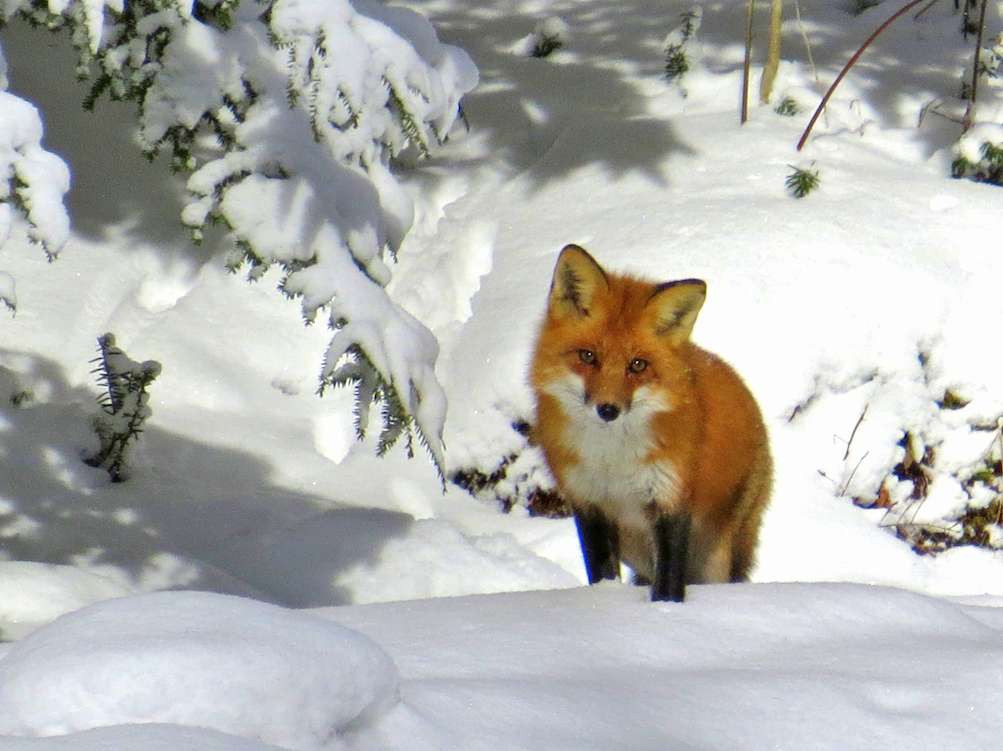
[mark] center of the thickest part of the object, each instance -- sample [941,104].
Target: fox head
[612,343]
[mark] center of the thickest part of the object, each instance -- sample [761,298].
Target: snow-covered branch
[33,181]
[285,116]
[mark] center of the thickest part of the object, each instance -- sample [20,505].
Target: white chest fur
[614,471]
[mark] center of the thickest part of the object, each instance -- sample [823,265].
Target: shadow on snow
[192,515]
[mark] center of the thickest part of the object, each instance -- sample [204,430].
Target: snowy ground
[878,290]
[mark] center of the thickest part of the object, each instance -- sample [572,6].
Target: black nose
[608,412]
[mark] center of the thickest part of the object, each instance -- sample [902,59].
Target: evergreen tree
[284,118]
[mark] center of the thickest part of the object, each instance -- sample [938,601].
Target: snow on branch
[33,181]
[125,404]
[285,116]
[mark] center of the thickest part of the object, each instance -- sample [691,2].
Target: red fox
[657,445]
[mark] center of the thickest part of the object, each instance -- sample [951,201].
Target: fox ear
[674,307]
[578,278]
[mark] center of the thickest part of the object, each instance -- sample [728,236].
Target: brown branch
[849,64]
[748,62]
[970,112]
[853,433]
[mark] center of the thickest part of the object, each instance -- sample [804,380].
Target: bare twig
[849,64]
[970,112]
[849,479]
[824,476]
[849,443]
[807,42]
[748,62]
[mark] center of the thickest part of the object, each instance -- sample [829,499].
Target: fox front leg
[600,546]
[672,542]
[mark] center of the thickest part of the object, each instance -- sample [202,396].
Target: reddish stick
[849,64]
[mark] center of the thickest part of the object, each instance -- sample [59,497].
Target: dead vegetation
[515,482]
[980,523]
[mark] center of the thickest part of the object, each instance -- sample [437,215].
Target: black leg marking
[672,541]
[600,546]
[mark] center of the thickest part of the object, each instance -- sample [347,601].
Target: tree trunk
[772,52]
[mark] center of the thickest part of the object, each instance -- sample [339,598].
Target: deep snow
[246,483]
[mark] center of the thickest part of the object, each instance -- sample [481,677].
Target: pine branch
[347,193]
[410,127]
[124,405]
[802,181]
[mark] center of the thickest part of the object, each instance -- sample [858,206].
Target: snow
[38,177]
[196,659]
[436,620]
[970,145]
[782,666]
[32,594]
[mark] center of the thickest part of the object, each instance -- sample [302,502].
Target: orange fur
[681,435]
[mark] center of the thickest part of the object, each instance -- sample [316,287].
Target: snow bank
[195,659]
[831,667]
[366,555]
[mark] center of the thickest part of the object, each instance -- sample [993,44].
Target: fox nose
[608,412]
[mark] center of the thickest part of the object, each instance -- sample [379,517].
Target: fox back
[658,445]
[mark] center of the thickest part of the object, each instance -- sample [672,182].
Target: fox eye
[587,356]
[637,365]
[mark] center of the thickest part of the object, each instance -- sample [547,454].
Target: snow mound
[738,667]
[195,659]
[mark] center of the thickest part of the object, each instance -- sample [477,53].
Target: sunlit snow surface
[779,666]
[197,659]
[879,290]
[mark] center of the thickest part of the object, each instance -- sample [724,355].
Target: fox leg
[672,541]
[600,545]
[752,504]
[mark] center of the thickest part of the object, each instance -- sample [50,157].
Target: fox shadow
[190,515]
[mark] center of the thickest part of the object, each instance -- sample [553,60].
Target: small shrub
[986,168]
[787,107]
[677,61]
[519,479]
[802,181]
[22,397]
[546,45]
[550,35]
[124,405]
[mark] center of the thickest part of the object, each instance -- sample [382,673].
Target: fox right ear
[578,278]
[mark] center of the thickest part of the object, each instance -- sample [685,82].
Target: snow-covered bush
[124,404]
[32,181]
[979,154]
[285,116]
[677,43]
[549,35]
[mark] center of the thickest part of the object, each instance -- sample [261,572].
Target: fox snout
[608,412]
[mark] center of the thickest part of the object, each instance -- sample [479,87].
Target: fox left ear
[674,307]
[578,279]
